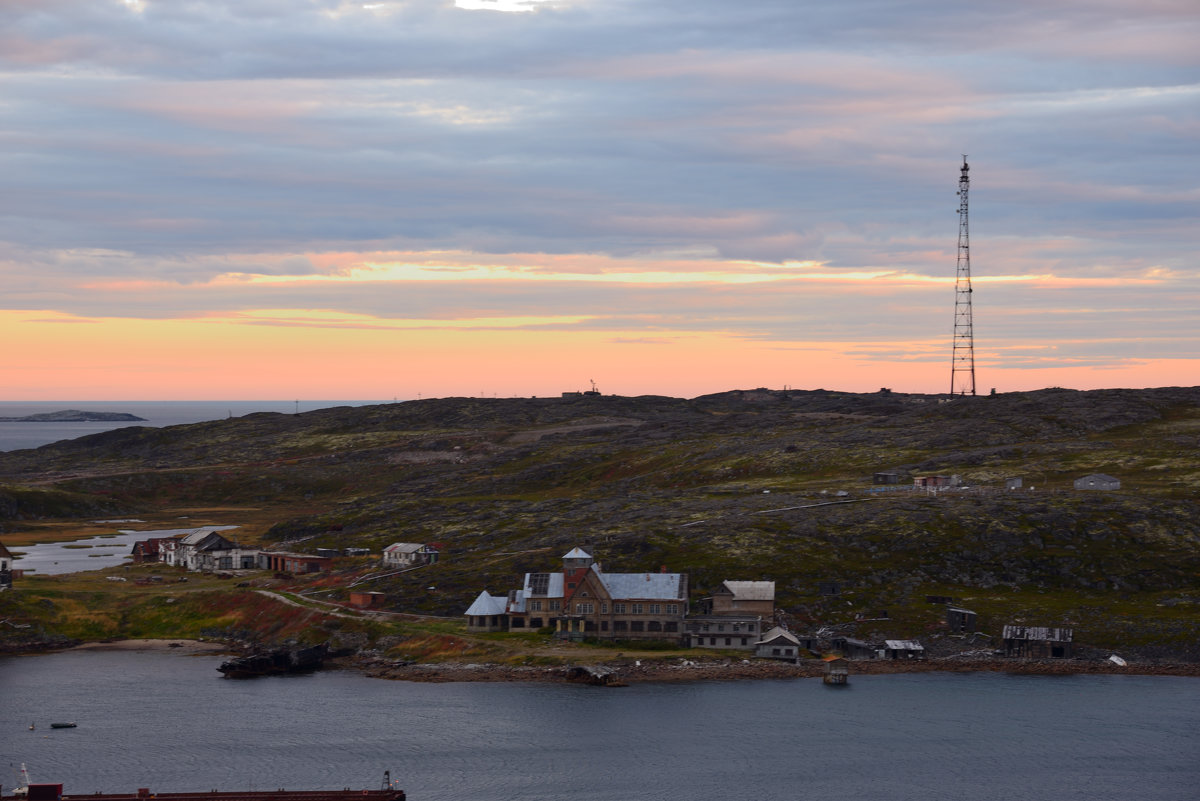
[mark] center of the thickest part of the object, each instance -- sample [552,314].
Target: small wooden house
[367,600]
[852,649]
[961,620]
[780,644]
[286,562]
[886,478]
[903,649]
[409,554]
[837,671]
[1037,642]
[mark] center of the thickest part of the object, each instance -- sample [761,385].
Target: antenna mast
[962,369]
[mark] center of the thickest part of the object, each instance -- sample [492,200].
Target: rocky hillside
[744,484]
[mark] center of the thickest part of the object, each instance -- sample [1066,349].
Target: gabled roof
[648,586]
[403,547]
[5,552]
[778,634]
[577,553]
[1100,477]
[487,604]
[751,590]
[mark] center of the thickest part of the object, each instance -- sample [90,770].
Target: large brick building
[584,601]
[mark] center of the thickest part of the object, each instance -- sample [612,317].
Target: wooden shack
[852,649]
[367,600]
[961,620]
[1037,642]
[903,649]
[837,671]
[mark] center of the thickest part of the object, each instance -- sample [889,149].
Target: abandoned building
[961,620]
[1037,642]
[780,644]
[903,649]
[409,554]
[1098,481]
[852,649]
[734,616]
[286,562]
[6,567]
[582,601]
[887,478]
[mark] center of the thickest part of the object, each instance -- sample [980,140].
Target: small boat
[62,725]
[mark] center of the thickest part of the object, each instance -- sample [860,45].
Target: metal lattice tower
[962,370]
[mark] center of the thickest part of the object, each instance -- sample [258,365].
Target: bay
[166,721]
[16,436]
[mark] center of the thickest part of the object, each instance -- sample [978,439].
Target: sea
[16,436]
[167,721]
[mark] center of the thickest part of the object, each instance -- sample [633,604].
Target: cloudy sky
[317,199]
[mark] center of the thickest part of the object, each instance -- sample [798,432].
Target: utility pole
[962,369]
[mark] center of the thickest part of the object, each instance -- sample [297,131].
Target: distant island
[75,416]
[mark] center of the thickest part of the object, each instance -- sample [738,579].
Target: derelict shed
[961,620]
[852,648]
[1037,642]
[1098,481]
[903,649]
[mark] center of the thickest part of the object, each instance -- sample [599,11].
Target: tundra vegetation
[754,484]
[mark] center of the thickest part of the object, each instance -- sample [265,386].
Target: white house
[409,554]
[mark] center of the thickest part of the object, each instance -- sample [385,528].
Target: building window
[672,609]
[656,609]
[637,625]
[750,627]
[706,625]
[654,625]
[744,641]
[637,609]
[720,627]
[535,606]
[604,609]
[620,625]
[672,626]
[618,609]
[774,652]
[728,641]
[555,606]
[604,625]
[571,586]
[535,622]
[585,609]
[517,623]
[736,627]
[712,640]
[583,594]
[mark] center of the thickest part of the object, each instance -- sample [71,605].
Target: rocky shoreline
[730,670]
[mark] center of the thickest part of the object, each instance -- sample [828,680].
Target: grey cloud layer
[187,131]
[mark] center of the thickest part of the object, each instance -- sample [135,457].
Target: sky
[202,199]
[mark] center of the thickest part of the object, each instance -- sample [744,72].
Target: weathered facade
[852,648]
[409,554]
[780,644]
[286,562]
[903,649]
[1037,642]
[6,567]
[584,601]
[734,616]
[961,620]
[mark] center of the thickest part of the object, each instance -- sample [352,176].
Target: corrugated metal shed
[1043,633]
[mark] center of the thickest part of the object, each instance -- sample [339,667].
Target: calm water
[168,722]
[55,558]
[14,436]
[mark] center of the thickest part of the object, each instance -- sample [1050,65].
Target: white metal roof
[903,645]
[752,590]
[649,586]
[778,634]
[488,604]
[403,547]
[577,553]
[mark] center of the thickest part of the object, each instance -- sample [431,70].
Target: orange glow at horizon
[225,358]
